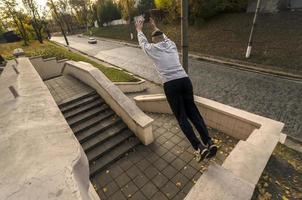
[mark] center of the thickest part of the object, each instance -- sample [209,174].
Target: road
[266,95]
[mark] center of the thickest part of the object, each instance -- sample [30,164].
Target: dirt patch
[282,177]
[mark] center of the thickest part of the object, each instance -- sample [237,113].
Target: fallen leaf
[105,189]
[178,184]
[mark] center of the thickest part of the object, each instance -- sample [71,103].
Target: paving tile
[168,145]
[169,157]
[159,196]
[168,135]
[138,196]
[180,180]
[159,180]
[179,196]
[178,164]
[103,178]
[110,188]
[170,190]
[169,171]
[176,139]
[149,190]
[134,157]
[188,171]
[177,150]
[124,163]
[196,177]
[122,179]
[161,139]
[129,189]
[140,180]
[143,164]
[152,157]
[185,156]
[188,187]
[160,151]
[160,164]
[151,171]
[133,171]
[117,196]
[184,143]
[115,171]
[161,130]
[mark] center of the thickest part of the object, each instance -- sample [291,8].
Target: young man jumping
[178,88]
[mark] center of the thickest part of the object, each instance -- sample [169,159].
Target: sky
[41,3]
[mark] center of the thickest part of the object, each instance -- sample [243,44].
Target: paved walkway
[165,169]
[265,95]
[64,88]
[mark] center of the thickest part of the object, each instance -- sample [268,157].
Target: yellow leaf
[284,198]
[105,189]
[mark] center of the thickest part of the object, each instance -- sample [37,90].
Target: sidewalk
[238,64]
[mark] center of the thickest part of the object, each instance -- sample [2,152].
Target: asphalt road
[266,95]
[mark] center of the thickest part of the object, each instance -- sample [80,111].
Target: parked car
[92,40]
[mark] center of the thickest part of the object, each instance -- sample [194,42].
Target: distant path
[266,95]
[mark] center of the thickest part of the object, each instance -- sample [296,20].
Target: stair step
[80,103]
[87,115]
[83,108]
[98,151]
[113,155]
[75,99]
[103,136]
[99,126]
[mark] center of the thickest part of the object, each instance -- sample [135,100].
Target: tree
[107,11]
[127,9]
[81,9]
[145,5]
[52,6]
[8,8]
[32,8]
[171,6]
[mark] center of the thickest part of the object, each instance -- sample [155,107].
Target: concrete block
[218,183]
[264,141]
[247,161]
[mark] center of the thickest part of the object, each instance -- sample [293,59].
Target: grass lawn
[50,49]
[277,40]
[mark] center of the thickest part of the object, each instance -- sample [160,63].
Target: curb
[246,66]
[237,64]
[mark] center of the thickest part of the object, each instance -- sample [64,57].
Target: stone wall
[40,156]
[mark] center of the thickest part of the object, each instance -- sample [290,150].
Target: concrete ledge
[248,158]
[40,156]
[48,68]
[136,120]
[129,87]
[218,183]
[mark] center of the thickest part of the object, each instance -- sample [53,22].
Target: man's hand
[139,25]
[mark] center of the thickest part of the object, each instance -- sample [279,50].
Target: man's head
[157,36]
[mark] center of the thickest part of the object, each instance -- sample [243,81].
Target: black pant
[179,94]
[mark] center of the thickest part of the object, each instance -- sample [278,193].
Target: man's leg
[196,118]
[177,106]
[194,114]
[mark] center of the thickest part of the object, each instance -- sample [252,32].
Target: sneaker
[212,149]
[201,153]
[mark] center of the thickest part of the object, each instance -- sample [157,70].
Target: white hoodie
[165,56]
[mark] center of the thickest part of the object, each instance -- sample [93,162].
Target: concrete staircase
[103,135]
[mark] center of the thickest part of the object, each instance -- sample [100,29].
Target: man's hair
[157,33]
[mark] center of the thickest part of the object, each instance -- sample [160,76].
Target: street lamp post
[184,33]
[250,44]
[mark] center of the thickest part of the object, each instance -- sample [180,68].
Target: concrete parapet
[247,160]
[40,156]
[48,68]
[136,120]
